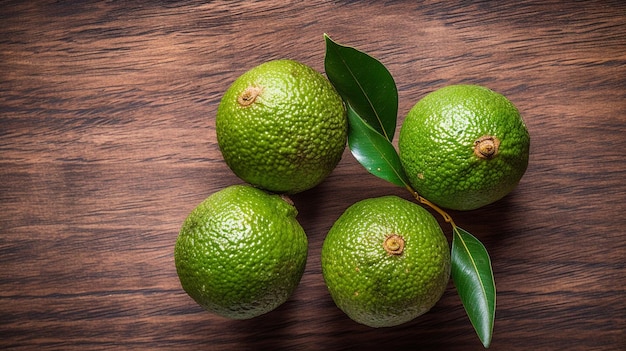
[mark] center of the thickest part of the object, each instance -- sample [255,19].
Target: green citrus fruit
[241,252]
[385,261]
[464,146]
[282,126]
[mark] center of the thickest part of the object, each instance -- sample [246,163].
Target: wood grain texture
[107,141]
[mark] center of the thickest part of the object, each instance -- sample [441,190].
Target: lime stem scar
[486,146]
[394,244]
[247,97]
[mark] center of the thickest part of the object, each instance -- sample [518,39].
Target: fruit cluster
[282,128]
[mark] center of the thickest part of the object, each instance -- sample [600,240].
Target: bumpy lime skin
[436,147]
[241,253]
[294,133]
[372,286]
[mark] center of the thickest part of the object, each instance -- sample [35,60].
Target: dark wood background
[107,141]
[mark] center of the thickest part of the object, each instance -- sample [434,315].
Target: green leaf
[473,278]
[365,84]
[373,151]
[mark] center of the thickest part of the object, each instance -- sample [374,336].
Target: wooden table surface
[107,141]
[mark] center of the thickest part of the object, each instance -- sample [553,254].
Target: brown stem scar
[486,147]
[248,96]
[394,244]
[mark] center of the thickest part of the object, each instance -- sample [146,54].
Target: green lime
[241,252]
[282,126]
[385,261]
[464,147]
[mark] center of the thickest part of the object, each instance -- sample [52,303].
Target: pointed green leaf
[373,151]
[473,278]
[365,84]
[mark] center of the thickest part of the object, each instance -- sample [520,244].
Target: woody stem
[425,201]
